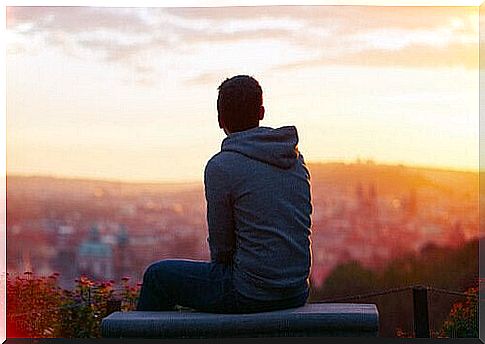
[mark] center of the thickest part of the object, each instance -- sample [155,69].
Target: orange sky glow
[130,93]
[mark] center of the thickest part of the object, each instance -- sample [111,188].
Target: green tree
[348,279]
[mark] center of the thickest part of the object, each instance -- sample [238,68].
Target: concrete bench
[313,319]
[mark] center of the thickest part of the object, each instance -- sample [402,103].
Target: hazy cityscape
[108,230]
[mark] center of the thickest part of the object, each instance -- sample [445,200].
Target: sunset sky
[130,93]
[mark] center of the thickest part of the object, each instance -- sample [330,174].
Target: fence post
[421,320]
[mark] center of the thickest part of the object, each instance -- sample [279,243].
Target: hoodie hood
[277,147]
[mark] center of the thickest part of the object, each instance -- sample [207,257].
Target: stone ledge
[313,319]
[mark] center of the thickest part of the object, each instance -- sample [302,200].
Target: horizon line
[198,181]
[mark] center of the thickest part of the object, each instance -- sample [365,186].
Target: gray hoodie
[259,212]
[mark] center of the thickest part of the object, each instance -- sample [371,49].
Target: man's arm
[220,221]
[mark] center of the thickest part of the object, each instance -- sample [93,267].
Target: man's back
[259,212]
[259,217]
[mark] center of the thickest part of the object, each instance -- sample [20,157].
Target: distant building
[95,258]
[121,254]
[65,260]
[366,212]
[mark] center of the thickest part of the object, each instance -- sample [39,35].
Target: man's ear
[261,113]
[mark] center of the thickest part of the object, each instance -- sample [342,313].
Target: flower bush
[463,318]
[33,305]
[37,307]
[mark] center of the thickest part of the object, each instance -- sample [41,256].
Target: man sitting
[259,219]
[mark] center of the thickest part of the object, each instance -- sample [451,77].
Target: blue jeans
[202,286]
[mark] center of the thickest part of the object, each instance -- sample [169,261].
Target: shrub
[33,305]
[462,320]
[37,307]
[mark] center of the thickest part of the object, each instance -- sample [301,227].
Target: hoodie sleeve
[219,214]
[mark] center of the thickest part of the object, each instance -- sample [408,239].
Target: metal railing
[420,304]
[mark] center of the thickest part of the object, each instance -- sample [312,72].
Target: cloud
[350,35]
[207,78]
[349,19]
[415,56]
[76,19]
[113,51]
[357,27]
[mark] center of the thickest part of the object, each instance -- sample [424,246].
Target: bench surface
[313,319]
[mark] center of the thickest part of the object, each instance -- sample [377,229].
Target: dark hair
[239,102]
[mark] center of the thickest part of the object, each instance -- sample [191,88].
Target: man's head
[239,104]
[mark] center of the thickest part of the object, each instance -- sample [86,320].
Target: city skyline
[129,93]
[366,212]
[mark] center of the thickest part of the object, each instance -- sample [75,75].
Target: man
[259,219]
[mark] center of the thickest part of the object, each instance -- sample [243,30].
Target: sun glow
[129,93]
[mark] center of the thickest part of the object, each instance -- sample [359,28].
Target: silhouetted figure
[259,218]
